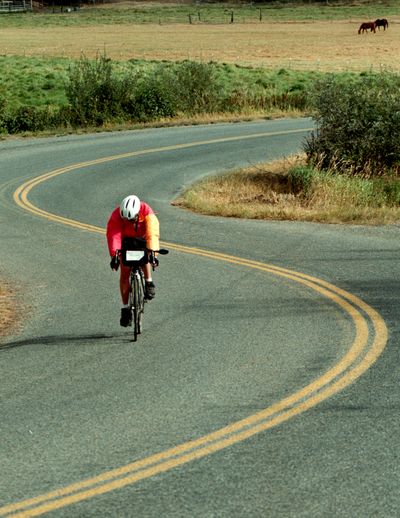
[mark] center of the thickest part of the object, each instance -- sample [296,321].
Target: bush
[26,118]
[3,105]
[152,97]
[197,89]
[150,102]
[188,87]
[94,93]
[358,124]
[33,119]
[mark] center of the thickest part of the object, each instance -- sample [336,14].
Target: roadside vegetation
[292,190]
[38,94]
[348,173]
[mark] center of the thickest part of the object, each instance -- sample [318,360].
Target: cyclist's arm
[114,233]
[152,232]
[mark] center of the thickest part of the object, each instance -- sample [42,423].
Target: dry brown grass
[8,310]
[265,192]
[258,192]
[326,46]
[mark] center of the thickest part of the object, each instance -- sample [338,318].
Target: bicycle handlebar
[151,254]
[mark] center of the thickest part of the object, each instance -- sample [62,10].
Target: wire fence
[13,6]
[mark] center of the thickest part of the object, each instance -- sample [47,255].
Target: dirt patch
[9,317]
[320,45]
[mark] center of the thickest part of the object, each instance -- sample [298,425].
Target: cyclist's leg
[124,283]
[146,268]
[149,289]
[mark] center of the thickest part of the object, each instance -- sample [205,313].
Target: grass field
[304,38]
[193,12]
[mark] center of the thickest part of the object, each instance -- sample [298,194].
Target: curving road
[266,380]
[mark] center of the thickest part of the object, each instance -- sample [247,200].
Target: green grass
[33,81]
[41,81]
[330,189]
[209,14]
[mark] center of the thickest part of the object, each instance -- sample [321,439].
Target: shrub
[358,124]
[33,119]
[152,97]
[150,103]
[94,93]
[188,87]
[3,105]
[61,117]
[197,89]
[26,118]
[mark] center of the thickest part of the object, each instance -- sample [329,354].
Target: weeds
[292,190]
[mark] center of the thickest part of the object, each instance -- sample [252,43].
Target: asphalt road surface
[266,381]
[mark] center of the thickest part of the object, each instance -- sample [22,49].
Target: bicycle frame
[136,299]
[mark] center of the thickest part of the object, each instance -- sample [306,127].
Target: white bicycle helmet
[129,207]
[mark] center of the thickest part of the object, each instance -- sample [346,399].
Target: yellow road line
[362,353]
[20,195]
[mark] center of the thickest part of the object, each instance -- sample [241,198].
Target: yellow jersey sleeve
[152,232]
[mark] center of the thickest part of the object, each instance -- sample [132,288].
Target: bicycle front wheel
[138,305]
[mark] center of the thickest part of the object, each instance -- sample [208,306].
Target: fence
[13,6]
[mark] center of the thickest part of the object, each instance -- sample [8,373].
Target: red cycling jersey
[146,227]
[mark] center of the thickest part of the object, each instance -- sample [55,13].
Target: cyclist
[133,218]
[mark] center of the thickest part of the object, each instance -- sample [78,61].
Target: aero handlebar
[151,254]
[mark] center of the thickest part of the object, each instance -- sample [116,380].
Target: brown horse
[367,25]
[382,22]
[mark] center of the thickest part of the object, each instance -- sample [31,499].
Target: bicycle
[136,256]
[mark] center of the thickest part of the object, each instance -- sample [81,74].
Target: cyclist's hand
[153,259]
[114,263]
